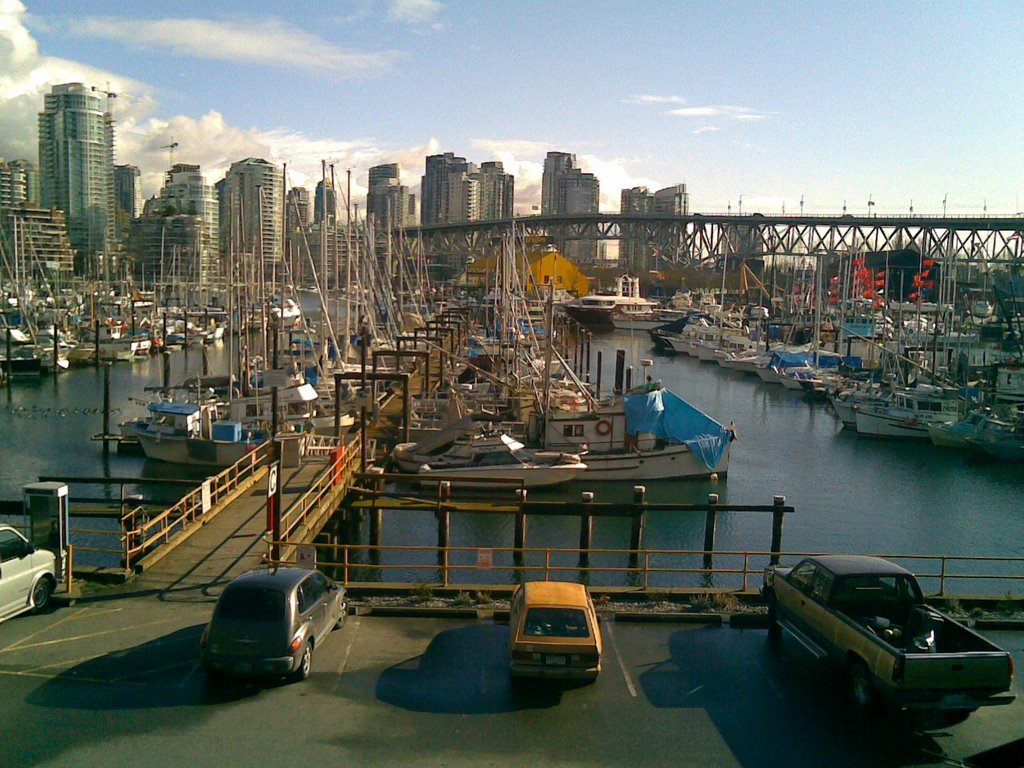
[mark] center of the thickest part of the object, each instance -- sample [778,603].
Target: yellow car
[554,631]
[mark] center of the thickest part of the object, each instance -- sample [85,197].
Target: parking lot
[115,682]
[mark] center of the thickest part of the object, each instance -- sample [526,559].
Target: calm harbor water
[850,493]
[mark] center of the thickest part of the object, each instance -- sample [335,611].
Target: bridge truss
[698,240]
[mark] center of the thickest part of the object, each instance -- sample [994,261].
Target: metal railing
[326,487]
[641,571]
[142,530]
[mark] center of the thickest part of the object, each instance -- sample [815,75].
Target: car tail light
[898,669]
[295,644]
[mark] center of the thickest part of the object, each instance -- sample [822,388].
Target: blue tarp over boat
[670,418]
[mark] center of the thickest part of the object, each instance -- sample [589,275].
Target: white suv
[27,574]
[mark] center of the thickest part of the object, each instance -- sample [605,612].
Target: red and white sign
[485,558]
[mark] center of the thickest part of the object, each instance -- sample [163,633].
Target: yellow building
[546,266]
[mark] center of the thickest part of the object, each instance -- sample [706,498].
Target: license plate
[555,661]
[243,667]
[955,700]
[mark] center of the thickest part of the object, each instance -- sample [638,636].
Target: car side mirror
[30,548]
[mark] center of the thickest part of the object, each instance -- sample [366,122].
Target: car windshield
[251,604]
[556,622]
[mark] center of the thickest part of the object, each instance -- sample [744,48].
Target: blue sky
[751,104]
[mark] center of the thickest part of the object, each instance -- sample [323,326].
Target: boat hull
[674,462]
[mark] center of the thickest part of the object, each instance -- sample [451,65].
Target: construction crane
[110,98]
[170,152]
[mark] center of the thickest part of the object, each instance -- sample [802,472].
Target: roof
[554,593]
[850,565]
[273,578]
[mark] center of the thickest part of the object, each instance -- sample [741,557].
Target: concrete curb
[715,619]
[1016,624]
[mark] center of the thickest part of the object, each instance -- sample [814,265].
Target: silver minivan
[269,622]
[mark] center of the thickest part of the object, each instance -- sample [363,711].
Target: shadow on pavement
[464,671]
[795,711]
[159,673]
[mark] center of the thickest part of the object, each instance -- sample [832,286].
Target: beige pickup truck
[869,615]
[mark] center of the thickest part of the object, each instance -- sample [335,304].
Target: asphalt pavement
[114,681]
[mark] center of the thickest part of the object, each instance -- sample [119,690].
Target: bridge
[660,240]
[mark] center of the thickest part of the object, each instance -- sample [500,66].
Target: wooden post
[620,366]
[337,405]
[778,502]
[636,535]
[166,372]
[376,513]
[586,526]
[7,360]
[629,378]
[444,488]
[106,407]
[519,536]
[710,522]
[597,386]
[96,329]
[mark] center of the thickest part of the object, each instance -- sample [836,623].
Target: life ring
[603,427]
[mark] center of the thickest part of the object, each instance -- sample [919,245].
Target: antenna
[170,152]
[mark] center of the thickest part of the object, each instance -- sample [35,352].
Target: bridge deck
[229,544]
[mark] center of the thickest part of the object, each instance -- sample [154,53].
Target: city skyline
[755,108]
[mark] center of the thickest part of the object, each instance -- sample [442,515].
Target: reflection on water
[850,493]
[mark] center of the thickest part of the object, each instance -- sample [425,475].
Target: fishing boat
[1002,439]
[647,434]
[192,433]
[909,412]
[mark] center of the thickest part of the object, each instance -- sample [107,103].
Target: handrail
[338,471]
[546,561]
[159,528]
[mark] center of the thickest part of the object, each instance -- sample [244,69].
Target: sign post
[273,511]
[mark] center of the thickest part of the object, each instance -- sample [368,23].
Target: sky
[755,105]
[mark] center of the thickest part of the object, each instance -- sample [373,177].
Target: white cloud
[268,42]
[720,111]
[705,129]
[651,99]
[416,13]
[210,141]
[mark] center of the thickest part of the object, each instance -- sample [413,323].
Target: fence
[359,565]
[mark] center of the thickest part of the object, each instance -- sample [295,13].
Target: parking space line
[191,672]
[348,650]
[49,627]
[618,657]
[65,662]
[89,635]
[77,678]
[144,672]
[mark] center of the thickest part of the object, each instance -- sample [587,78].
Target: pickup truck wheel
[861,688]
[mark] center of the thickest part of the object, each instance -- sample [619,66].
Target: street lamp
[801,205]
[945,197]
[911,206]
[871,204]
[739,208]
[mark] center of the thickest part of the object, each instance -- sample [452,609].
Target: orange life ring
[603,427]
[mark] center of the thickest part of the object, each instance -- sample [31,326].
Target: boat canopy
[667,416]
[174,408]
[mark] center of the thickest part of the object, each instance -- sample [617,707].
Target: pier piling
[710,522]
[779,503]
[519,535]
[586,527]
[106,406]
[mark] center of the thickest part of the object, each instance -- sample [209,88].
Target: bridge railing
[344,463]
[142,531]
[415,567]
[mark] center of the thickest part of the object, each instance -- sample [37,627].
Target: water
[850,493]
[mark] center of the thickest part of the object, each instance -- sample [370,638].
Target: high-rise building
[297,211]
[251,210]
[555,164]
[436,194]
[13,187]
[76,166]
[325,203]
[128,190]
[40,231]
[388,202]
[632,246]
[674,200]
[496,190]
[31,173]
[187,193]
[578,192]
